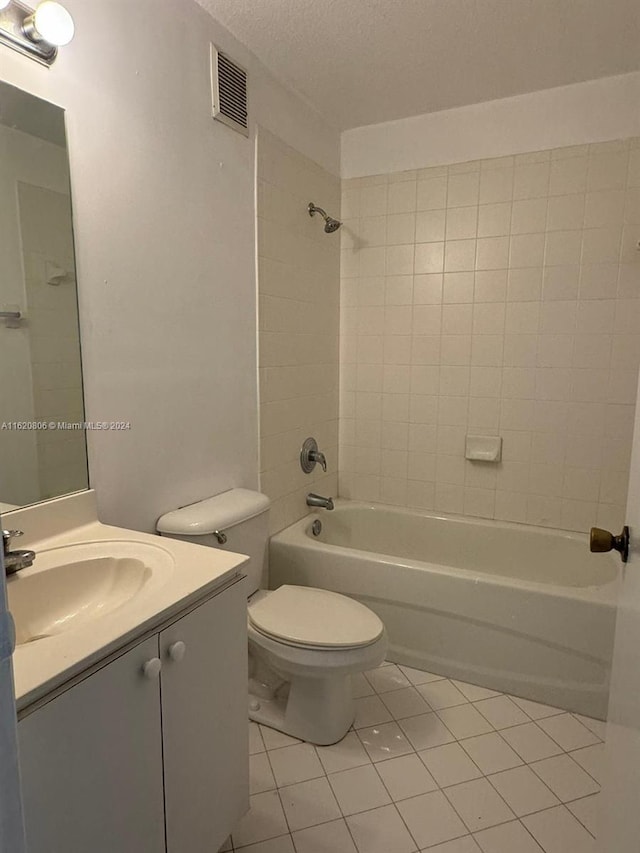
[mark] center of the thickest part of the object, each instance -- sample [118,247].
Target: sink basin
[69,587]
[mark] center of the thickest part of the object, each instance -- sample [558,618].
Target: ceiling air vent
[229,85]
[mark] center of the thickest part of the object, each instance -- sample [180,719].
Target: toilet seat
[314,618]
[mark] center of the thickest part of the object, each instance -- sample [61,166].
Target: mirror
[42,438]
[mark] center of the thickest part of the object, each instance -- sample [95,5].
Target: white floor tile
[419,676]
[442,694]
[380,831]
[536,710]
[309,803]
[256,743]
[265,819]
[507,838]
[587,811]
[478,804]
[405,777]
[523,791]
[459,845]
[566,779]
[530,742]
[293,764]
[274,739]
[491,753]
[591,759]
[283,844]
[260,775]
[331,837]
[385,741]
[450,764]
[348,753]
[360,686]
[426,730]
[558,831]
[431,819]
[395,708]
[501,712]
[386,678]
[473,692]
[568,732]
[405,703]
[370,711]
[464,721]
[598,727]
[359,790]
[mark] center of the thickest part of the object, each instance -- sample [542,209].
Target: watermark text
[71,426]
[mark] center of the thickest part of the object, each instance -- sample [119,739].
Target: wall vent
[229,86]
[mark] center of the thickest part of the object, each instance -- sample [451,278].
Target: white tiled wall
[498,297]
[299,289]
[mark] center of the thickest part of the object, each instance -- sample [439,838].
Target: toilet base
[316,710]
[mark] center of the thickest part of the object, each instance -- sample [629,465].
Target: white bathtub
[520,609]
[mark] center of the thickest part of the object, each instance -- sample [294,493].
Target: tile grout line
[395,803]
[579,819]
[576,764]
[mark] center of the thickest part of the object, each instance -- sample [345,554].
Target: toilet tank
[237,520]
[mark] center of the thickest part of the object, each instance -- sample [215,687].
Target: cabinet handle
[177,651]
[151,669]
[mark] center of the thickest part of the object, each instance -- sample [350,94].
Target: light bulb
[4,4]
[52,23]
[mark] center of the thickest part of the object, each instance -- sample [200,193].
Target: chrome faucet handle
[319,457]
[310,456]
[7,536]
[15,561]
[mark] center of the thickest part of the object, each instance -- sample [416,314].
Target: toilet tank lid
[217,513]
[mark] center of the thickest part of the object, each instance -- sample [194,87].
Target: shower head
[330,224]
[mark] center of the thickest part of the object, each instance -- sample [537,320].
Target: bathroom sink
[67,588]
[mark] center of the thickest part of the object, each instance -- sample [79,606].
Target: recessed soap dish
[483,448]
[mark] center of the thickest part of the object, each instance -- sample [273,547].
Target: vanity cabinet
[149,753]
[91,765]
[205,729]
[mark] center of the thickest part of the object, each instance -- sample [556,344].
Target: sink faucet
[319,501]
[14,561]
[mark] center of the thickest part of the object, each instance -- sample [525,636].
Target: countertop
[46,664]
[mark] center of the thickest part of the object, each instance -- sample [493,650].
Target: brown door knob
[601,541]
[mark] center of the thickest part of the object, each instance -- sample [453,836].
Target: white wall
[164,208]
[568,115]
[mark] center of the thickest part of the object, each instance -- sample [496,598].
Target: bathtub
[524,610]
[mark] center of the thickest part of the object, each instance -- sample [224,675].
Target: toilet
[304,643]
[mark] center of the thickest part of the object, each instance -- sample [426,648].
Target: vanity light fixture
[38,32]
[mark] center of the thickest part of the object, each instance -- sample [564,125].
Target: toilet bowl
[304,643]
[304,646]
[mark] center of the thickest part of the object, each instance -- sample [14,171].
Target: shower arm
[313,209]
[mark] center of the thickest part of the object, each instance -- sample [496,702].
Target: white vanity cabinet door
[91,763]
[204,722]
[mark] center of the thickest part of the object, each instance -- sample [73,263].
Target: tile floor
[430,764]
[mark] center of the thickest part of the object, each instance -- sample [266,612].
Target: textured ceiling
[367,61]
